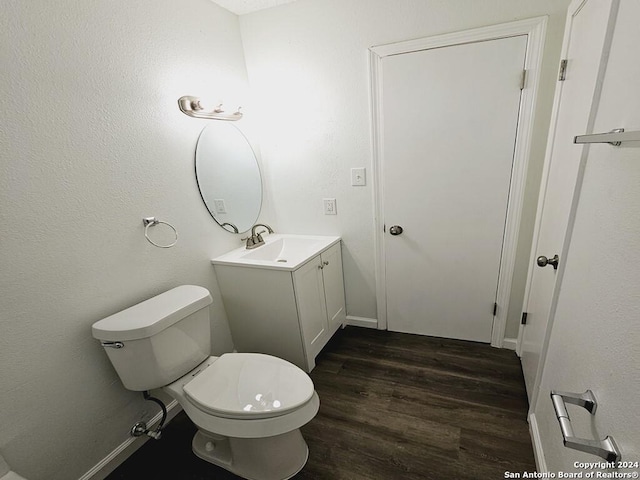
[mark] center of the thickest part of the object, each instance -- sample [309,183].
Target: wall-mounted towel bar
[606,448]
[614,137]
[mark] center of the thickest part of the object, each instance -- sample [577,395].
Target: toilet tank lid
[153,315]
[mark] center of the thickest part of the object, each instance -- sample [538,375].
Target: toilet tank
[155,342]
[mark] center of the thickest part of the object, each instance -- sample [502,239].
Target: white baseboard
[112,461]
[362,322]
[538,453]
[510,343]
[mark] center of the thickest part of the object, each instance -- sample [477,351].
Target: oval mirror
[228,177]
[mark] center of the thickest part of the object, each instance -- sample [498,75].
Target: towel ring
[152,222]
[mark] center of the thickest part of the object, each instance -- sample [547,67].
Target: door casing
[535,29]
[574,9]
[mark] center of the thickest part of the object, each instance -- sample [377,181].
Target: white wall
[307,64]
[92,141]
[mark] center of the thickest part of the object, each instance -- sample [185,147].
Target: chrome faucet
[255,240]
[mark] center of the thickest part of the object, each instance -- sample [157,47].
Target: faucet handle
[250,241]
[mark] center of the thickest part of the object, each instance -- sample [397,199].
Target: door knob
[396,230]
[543,261]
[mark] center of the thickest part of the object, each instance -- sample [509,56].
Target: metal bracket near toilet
[605,448]
[140,428]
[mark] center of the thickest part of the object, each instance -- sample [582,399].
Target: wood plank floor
[392,406]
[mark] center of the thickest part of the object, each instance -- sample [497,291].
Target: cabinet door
[334,287]
[307,281]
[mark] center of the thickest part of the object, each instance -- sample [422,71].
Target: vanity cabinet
[288,314]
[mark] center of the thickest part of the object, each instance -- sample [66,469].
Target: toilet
[6,473]
[248,407]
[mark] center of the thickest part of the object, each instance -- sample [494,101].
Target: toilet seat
[249,386]
[12,476]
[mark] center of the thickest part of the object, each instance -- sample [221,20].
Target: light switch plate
[358,177]
[330,206]
[219,206]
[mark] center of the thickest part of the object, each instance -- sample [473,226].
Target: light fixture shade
[192,106]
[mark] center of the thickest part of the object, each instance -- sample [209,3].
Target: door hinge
[523,79]
[495,309]
[524,318]
[562,75]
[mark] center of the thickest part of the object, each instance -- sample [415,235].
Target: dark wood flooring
[392,406]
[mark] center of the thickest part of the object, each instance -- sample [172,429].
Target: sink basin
[280,251]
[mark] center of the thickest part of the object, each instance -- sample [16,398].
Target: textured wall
[307,64]
[92,141]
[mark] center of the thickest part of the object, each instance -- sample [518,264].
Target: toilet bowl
[10,475]
[248,407]
[6,473]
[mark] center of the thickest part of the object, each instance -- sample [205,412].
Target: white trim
[375,94]
[509,343]
[573,10]
[491,32]
[362,322]
[535,29]
[123,451]
[536,441]
[521,329]
[524,135]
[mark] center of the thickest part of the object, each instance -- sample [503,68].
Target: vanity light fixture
[192,106]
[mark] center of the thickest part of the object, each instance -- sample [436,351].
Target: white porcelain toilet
[248,407]
[6,473]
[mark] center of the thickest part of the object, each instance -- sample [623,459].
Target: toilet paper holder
[606,448]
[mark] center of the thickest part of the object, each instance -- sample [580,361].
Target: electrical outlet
[358,177]
[330,206]
[219,206]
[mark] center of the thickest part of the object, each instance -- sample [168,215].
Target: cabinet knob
[324,264]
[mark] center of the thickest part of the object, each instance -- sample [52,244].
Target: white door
[586,33]
[595,339]
[450,122]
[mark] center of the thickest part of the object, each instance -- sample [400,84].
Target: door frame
[535,29]
[572,10]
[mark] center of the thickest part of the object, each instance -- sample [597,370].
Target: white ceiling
[240,7]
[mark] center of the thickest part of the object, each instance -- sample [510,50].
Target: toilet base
[270,458]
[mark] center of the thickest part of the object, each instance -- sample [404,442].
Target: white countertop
[280,252]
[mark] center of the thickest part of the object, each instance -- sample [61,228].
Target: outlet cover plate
[330,206]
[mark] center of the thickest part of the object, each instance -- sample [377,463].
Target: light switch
[330,206]
[358,177]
